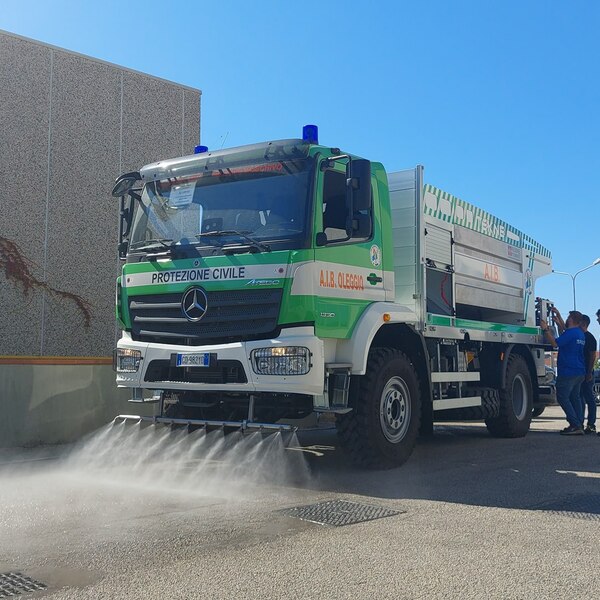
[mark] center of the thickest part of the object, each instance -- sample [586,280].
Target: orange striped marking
[55,360]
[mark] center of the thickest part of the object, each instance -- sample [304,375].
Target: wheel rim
[519,397]
[394,410]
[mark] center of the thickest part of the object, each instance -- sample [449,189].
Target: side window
[334,205]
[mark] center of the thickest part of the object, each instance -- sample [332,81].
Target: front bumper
[311,383]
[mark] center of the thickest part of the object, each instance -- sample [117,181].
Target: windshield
[266,202]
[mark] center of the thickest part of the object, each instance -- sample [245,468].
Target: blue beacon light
[310,134]
[200,149]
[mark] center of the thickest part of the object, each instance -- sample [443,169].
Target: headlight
[283,360]
[126,360]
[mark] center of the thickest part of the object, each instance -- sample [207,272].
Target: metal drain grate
[585,506]
[339,512]
[14,584]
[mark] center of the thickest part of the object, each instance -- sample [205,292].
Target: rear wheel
[516,401]
[536,412]
[382,429]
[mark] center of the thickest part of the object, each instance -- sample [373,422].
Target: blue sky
[499,101]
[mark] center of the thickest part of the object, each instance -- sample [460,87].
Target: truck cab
[270,281]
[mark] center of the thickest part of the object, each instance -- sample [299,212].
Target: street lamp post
[573,277]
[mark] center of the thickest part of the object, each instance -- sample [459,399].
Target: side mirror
[122,248]
[321,239]
[124,183]
[361,225]
[125,220]
[358,184]
[126,216]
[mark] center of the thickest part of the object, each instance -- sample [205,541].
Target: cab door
[349,271]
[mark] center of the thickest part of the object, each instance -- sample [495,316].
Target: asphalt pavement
[475,517]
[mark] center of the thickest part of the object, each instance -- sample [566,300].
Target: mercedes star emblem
[194,304]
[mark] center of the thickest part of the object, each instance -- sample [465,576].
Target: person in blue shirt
[570,368]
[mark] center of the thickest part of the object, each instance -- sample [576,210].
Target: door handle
[374,279]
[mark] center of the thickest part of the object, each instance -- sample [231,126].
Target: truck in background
[270,281]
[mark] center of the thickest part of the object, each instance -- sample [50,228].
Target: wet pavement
[470,517]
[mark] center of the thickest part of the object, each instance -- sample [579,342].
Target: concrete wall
[55,404]
[70,124]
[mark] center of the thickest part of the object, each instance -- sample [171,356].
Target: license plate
[193,360]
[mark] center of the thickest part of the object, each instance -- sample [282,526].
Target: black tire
[490,406]
[537,411]
[381,430]
[516,401]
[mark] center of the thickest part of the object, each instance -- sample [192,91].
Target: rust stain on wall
[17,268]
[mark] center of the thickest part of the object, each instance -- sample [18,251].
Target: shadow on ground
[460,464]
[463,464]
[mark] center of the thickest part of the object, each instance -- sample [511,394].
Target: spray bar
[243,425]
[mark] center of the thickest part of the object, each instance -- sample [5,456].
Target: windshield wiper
[243,234]
[150,247]
[154,243]
[219,243]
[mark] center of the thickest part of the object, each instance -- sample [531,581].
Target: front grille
[221,371]
[236,315]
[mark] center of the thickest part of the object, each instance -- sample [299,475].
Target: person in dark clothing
[587,387]
[571,367]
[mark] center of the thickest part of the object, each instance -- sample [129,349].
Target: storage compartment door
[439,273]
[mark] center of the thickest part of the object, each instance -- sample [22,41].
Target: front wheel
[516,401]
[382,429]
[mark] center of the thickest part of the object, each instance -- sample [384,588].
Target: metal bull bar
[248,424]
[244,425]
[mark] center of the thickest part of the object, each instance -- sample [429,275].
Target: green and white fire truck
[267,282]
